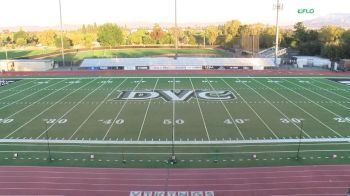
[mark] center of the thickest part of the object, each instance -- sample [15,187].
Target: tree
[76,37]
[47,38]
[21,41]
[89,39]
[212,33]
[67,43]
[21,37]
[110,34]
[231,31]
[330,34]
[345,39]
[332,51]
[136,37]
[157,33]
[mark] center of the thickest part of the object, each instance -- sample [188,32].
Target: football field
[157,115]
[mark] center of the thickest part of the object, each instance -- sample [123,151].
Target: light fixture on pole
[278,6]
[176,31]
[61,28]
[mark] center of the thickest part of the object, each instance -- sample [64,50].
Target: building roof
[181,61]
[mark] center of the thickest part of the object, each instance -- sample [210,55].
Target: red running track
[260,181]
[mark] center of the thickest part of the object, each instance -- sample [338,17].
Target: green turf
[138,52]
[81,109]
[23,53]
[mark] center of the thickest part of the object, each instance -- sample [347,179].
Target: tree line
[330,41]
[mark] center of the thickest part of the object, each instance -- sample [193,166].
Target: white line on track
[200,110]
[252,109]
[120,111]
[145,116]
[46,110]
[301,109]
[228,112]
[97,107]
[278,110]
[72,108]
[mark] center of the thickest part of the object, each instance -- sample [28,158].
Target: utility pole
[62,48]
[176,31]
[278,7]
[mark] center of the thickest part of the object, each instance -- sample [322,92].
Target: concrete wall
[26,65]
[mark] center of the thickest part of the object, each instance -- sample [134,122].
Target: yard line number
[6,120]
[54,120]
[291,120]
[342,119]
[110,121]
[237,121]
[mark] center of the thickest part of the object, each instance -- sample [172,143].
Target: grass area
[23,53]
[215,121]
[137,52]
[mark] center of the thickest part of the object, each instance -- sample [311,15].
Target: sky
[46,12]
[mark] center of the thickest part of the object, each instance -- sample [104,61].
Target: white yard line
[71,109]
[120,111]
[333,85]
[173,124]
[252,109]
[46,110]
[200,110]
[55,91]
[319,96]
[312,100]
[331,90]
[177,142]
[301,109]
[20,92]
[284,115]
[13,87]
[145,116]
[228,112]
[97,107]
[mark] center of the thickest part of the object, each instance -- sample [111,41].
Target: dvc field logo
[177,95]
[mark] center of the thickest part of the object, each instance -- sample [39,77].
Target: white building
[181,63]
[26,65]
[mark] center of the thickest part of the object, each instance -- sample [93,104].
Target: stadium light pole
[61,28]
[176,31]
[278,7]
